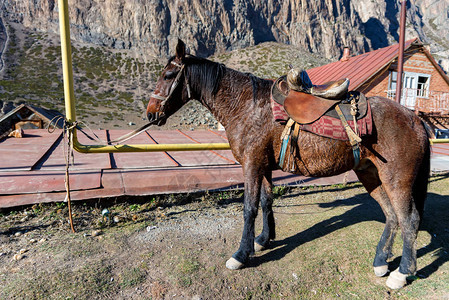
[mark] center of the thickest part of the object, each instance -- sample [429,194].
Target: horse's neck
[232,100]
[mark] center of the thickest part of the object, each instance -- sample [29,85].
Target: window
[391,93]
[423,85]
[414,83]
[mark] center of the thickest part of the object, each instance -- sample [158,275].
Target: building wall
[376,86]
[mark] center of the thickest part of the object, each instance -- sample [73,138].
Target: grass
[132,277]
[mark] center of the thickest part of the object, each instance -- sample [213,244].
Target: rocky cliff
[213,26]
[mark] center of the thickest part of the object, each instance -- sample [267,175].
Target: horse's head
[172,90]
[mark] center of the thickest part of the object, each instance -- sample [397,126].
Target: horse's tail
[422,179]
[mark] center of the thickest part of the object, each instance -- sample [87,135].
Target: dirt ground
[176,246]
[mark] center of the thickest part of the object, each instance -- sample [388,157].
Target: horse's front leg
[266,199]
[253,181]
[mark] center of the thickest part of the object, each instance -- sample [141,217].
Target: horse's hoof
[396,280]
[233,264]
[258,247]
[381,270]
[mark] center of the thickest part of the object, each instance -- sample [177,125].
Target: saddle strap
[354,139]
[289,136]
[284,142]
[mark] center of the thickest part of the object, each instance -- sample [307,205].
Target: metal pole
[401,51]
[66,53]
[69,96]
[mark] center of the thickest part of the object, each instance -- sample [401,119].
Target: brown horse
[394,166]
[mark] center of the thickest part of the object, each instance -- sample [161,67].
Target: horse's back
[395,123]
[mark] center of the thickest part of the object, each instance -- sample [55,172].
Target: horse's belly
[320,157]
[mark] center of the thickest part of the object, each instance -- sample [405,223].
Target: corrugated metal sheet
[32,168]
[358,68]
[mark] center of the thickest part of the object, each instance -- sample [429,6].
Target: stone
[17,257]
[128,24]
[149,228]
[96,233]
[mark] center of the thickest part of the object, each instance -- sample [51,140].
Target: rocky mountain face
[214,26]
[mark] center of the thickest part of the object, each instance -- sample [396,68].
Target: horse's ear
[180,49]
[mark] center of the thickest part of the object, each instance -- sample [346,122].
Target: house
[425,85]
[28,117]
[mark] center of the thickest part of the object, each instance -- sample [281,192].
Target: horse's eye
[170,75]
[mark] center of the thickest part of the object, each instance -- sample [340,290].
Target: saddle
[306,103]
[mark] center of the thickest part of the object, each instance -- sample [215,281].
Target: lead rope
[67,130]
[68,133]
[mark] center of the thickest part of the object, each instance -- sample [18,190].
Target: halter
[174,85]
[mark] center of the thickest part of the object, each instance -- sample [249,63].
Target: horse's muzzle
[156,118]
[152,117]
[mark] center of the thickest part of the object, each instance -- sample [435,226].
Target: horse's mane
[204,75]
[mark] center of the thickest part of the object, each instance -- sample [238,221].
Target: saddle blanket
[327,126]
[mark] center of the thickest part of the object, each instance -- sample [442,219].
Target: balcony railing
[423,100]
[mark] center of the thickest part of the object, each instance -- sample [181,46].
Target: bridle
[174,85]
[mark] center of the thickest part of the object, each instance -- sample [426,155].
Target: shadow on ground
[367,209]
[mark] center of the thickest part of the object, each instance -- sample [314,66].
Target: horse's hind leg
[409,219]
[370,179]
[407,191]
[266,200]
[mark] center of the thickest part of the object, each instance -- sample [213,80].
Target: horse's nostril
[150,117]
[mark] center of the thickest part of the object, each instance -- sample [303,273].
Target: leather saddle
[312,101]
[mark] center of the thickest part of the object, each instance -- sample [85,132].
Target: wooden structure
[425,86]
[27,117]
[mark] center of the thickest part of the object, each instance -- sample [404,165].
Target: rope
[68,133]
[68,128]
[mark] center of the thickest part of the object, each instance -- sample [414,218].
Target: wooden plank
[188,158]
[81,161]
[23,153]
[140,159]
[39,181]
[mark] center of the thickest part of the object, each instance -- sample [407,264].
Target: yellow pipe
[148,147]
[438,141]
[69,95]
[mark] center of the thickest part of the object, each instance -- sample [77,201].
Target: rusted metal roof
[32,168]
[359,69]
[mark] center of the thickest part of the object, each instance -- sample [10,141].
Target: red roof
[358,68]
